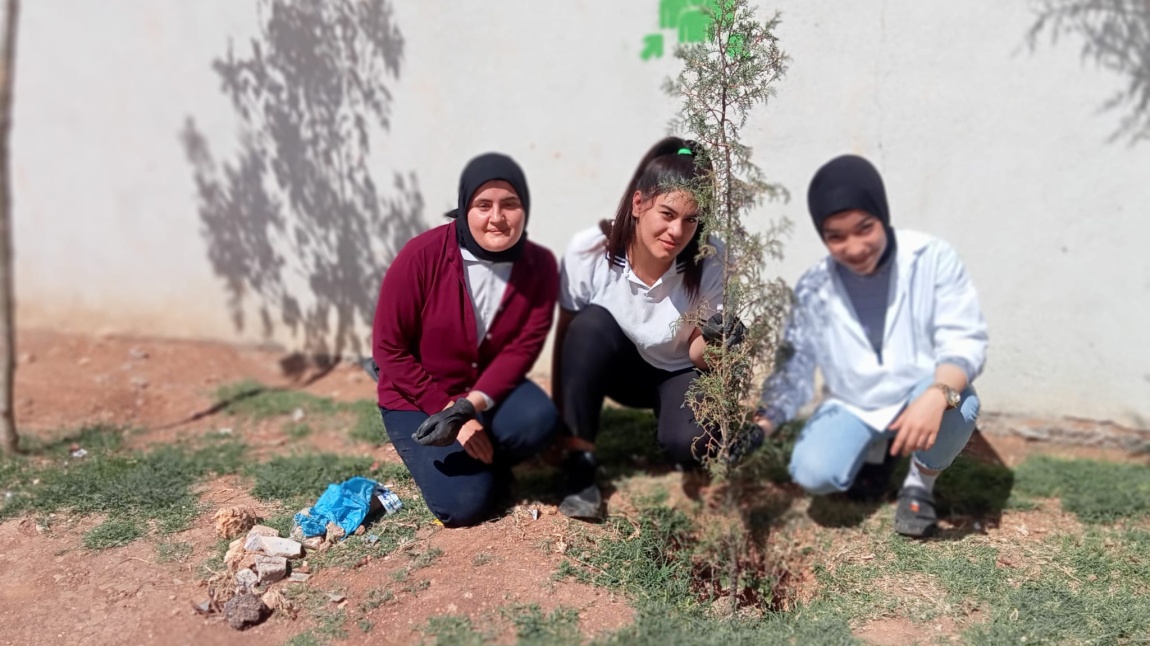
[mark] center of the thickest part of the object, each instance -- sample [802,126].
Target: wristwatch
[952,396]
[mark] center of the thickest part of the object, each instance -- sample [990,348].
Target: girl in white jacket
[893,323]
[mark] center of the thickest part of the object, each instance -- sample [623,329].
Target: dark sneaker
[915,516]
[581,497]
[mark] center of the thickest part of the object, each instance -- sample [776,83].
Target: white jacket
[933,315]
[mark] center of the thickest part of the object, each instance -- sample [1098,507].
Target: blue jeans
[459,489]
[831,448]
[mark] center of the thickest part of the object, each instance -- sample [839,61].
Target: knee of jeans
[539,426]
[970,407]
[813,476]
[461,507]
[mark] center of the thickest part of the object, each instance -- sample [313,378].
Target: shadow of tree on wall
[295,221]
[1115,35]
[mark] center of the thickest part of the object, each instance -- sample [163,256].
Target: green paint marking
[652,46]
[689,19]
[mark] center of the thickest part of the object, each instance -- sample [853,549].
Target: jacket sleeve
[959,330]
[396,332]
[792,384]
[512,363]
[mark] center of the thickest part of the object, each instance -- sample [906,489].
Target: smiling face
[496,216]
[856,239]
[664,224]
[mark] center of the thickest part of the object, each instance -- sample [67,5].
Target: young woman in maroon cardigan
[462,316]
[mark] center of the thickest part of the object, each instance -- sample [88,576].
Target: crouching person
[893,322]
[625,292]
[462,316]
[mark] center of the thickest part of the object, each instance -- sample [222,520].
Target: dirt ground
[54,590]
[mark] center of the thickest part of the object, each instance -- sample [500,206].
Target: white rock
[271,568]
[273,546]
[262,530]
[246,580]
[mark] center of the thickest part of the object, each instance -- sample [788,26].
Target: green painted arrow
[652,46]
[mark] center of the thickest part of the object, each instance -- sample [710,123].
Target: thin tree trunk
[8,439]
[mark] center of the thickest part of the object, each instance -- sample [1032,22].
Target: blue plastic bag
[346,505]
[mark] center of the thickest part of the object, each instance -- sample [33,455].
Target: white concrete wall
[1003,151]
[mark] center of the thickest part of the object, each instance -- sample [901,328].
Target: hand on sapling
[716,327]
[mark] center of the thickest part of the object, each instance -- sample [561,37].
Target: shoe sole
[915,528]
[579,510]
[574,506]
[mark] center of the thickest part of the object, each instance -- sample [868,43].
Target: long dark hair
[673,164]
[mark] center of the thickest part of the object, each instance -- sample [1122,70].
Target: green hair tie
[685,151]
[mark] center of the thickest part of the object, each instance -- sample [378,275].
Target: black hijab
[479,171]
[846,183]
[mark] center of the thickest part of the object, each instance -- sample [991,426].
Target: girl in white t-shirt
[625,289]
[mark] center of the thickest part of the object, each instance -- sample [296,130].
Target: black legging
[600,361]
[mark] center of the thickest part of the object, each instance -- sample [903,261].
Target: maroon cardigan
[424,333]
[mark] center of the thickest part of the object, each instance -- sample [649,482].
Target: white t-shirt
[486,283]
[651,317]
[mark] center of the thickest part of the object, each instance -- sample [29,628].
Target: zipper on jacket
[878,353]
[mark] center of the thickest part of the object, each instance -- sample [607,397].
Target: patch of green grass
[452,630]
[173,551]
[281,521]
[290,479]
[297,430]
[660,625]
[252,399]
[416,587]
[95,439]
[966,570]
[255,400]
[1096,492]
[133,489]
[628,439]
[1078,589]
[144,483]
[533,626]
[365,626]
[114,532]
[1096,592]
[481,559]
[306,638]
[647,563]
[368,426]
[426,558]
[375,598]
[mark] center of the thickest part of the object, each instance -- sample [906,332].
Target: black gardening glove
[713,330]
[442,428]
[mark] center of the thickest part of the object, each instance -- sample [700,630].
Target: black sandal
[915,516]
